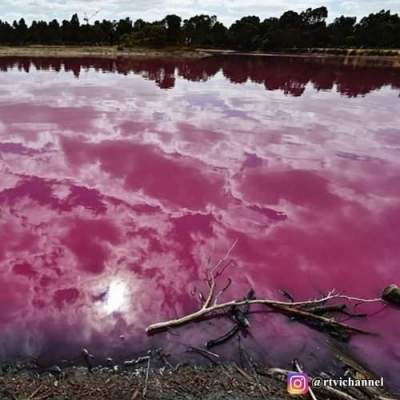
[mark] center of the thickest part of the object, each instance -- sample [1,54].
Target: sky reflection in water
[114,194]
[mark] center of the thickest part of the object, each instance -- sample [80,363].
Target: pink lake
[121,179]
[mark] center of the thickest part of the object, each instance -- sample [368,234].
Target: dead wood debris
[317,313]
[184,381]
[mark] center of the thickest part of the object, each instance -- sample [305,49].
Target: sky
[227,10]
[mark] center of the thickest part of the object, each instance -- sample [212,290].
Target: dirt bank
[100,51]
[154,377]
[361,57]
[179,382]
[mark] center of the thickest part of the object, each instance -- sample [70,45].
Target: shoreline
[351,57]
[162,374]
[157,376]
[182,381]
[355,57]
[100,52]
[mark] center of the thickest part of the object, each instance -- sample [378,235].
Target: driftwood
[310,312]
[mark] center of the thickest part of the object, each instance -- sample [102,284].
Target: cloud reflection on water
[108,180]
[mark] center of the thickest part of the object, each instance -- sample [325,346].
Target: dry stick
[251,365]
[275,371]
[211,276]
[147,377]
[33,395]
[135,394]
[287,295]
[243,373]
[222,291]
[204,353]
[224,258]
[205,312]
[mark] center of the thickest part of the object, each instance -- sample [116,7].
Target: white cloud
[227,10]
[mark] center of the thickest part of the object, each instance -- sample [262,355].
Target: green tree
[173,26]
[123,27]
[219,34]
[20,31]
[315,33]
[245,33]
[379,30]
[341,31]
[197,30]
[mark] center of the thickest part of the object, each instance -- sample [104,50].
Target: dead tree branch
[219,309]
[310,312]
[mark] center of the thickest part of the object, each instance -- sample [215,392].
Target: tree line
[306,29]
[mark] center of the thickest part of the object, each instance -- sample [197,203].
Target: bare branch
[225,257]
[222,291]
[213,273]
[310,312]
[222,308]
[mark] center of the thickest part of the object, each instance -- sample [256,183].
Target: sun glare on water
[116,298]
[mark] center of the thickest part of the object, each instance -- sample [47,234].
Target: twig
[204,353]
[223,290]
[146,381]
[132,363]
[135,394]
[224,338]
[242,372]
[277,371]
[213,273]
[287,295]
[251,365]
[35,393]
[224,258]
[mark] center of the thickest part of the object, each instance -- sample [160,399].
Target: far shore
[356,57]
[99,51]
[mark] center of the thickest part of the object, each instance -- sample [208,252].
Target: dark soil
[181,382]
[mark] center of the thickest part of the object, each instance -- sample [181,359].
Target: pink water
[119,180]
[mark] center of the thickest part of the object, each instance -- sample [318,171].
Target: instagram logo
[297,383]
